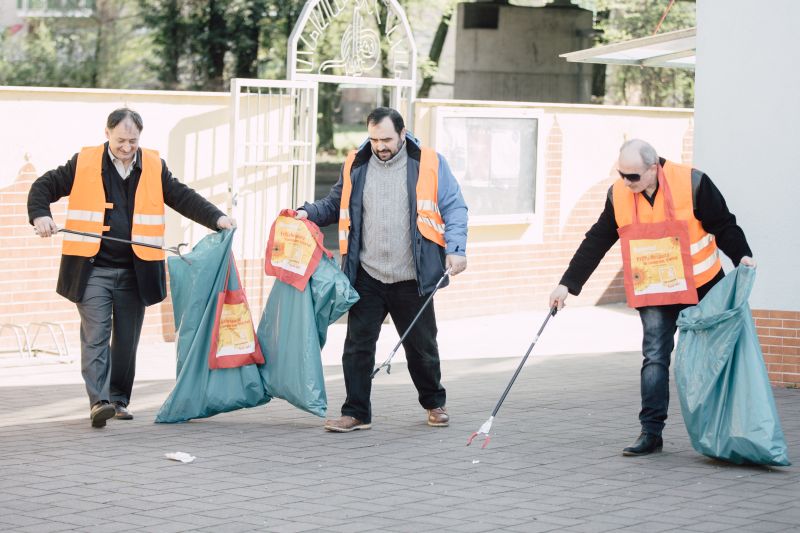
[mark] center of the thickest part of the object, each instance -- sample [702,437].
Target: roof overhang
[674,49]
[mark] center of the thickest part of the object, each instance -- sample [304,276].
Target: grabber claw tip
[486,442]
[469,440]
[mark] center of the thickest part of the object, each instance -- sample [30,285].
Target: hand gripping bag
[216,370]
[725,394]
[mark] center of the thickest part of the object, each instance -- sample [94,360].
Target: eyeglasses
[629,177]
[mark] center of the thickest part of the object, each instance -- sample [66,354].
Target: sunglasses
[629,177]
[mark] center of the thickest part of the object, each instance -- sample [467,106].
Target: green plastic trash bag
[725,394]
[293,330]
[199,288]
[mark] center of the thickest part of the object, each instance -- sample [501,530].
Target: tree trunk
[436,52]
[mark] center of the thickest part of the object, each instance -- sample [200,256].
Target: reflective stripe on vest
[148,209]
[344,204]
[87,205]
[429,221]
[705,255]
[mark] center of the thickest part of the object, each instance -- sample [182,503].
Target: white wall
[46,126]
[747,131]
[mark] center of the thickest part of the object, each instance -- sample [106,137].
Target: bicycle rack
[61,349]
[23,345]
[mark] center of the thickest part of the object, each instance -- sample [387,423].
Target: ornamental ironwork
[353,39]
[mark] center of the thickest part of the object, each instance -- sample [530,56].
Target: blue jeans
[658,325]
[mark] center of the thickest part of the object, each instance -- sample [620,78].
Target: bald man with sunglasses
[690,198]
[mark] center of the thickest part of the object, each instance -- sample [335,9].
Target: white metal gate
[273,157]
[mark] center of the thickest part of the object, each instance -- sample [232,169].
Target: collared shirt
[120,166]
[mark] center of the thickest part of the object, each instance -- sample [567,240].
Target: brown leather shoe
[345,424]
[100,412]
[438,417]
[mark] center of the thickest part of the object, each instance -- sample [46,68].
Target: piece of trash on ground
[183,457]
[476,461]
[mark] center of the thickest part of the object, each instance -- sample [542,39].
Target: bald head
[638,152]
[638,164]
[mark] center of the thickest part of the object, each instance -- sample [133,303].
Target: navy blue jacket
[429,257]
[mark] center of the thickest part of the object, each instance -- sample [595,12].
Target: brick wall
[29,266]
[510,277]
[779,334]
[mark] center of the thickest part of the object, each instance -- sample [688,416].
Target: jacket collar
[364,154]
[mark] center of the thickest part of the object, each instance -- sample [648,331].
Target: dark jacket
[428,256]
[74,271]
[709,208]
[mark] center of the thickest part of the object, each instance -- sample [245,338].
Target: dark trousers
[112,314]
[402,301]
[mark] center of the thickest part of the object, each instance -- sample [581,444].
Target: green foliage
[107,50]
[203,43]
[622,20]
[41,58]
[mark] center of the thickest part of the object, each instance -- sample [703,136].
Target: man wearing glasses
[672,209]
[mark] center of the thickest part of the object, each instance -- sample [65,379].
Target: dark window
[481,16]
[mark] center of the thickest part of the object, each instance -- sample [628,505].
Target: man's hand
[44,227]
[225,222]
[301,214]
[457,264]
[558,296]
[748,261]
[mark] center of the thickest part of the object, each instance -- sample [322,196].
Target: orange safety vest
[703,249]
[429,220]
[87,205]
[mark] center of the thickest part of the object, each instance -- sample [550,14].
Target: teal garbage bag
[200,391]
[292,333]
[722,382]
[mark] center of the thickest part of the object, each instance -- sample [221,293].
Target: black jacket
[709,208]
[74,271]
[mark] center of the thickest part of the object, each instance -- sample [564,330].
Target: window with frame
[493,155]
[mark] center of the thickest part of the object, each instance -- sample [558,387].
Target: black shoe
[121,411]
[101,411]
[647,443]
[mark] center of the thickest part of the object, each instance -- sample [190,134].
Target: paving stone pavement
[553,463]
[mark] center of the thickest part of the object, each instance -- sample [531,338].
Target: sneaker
[345,424]
[438,417]
[101,411]
[121,411]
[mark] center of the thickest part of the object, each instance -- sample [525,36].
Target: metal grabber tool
[173,249]
[388,362]
[487,426]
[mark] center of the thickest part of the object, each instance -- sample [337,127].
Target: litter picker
[174,249]
[388,362]
[487,426]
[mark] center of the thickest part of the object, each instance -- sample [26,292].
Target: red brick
[791,315]
[770,341]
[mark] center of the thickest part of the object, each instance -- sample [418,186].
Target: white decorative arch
[356,57]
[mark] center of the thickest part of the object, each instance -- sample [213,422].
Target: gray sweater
[386,240]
